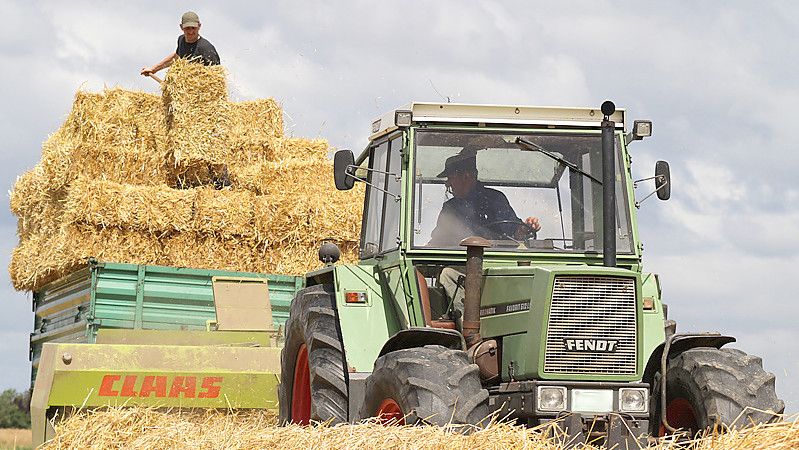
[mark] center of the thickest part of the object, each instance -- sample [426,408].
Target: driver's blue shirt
[474,215]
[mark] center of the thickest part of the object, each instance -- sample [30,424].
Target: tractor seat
[424,294]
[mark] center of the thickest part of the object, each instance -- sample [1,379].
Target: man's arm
[166,62]
[505,212]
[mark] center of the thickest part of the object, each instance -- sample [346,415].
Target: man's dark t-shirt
[463,217]
[201,51]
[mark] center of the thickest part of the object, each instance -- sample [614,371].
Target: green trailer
[107,295]
[116,334]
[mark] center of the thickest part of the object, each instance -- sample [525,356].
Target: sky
[717,80]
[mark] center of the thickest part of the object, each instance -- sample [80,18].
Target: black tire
[313,322]
[723,387]
[432,385]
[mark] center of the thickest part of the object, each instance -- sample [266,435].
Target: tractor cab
[526,179]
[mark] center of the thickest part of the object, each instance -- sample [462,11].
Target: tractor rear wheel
[709,386]
[429,385]
[313,376]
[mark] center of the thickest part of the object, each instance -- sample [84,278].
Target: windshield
[542,196]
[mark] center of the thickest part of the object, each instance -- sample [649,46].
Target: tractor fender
[679,344]
[420,336]
[325,275]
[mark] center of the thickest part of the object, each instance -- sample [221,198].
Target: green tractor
[460,310]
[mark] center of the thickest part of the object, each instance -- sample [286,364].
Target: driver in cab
[474,209]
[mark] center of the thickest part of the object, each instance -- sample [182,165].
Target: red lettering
[127,386]
[211,389]
[183,385]
[153,385]
[107,386]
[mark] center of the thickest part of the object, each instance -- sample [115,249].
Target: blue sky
[717,80]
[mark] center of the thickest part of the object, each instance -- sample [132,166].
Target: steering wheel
[531,232]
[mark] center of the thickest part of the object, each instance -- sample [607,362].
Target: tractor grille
[589,315]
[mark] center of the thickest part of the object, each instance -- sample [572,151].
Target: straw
[142,427]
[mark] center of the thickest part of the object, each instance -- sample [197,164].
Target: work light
[642,129]
[403,118]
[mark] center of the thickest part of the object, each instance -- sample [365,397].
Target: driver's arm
[505,212]
[532,222]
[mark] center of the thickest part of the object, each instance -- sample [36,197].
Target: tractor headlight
[633,400]
[551,398]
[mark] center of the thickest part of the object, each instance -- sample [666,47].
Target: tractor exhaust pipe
[608,186]
[475,246]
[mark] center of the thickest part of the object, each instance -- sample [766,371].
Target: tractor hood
[564,322]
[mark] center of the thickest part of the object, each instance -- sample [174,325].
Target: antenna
[445,97]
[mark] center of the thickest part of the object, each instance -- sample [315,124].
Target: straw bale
[37,207]
[202,251]
[58,153]
[197,114]
[39,259]
[64,160]
[111,244]
[152,209]
[117,133]
[240,429]
[305,149]
[287,175]
[257,118]
[299,258]
[117,117]
[287,217]
[225,212]
[248,150]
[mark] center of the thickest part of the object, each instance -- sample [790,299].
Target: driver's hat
[463,161]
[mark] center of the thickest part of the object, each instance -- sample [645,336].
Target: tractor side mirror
[343,167]
[663,180]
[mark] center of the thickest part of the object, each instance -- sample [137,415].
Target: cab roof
[463,113]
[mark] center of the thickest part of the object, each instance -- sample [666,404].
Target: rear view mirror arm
[656,177]
[350,169]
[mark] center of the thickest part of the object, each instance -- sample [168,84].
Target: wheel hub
[390,413]
[301,389]
[680,414]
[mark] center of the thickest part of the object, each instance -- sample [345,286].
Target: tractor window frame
[375,200]
[390,234]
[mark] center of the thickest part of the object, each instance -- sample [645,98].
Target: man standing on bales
[190,46]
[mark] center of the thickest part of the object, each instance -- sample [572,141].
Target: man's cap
[189,19]
[463,161]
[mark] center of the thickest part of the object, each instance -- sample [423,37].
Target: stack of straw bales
[187,179]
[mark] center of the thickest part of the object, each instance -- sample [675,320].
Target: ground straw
[149,428]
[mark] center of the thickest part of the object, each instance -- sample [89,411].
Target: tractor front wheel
[708,386]
[313,378]
[427,385]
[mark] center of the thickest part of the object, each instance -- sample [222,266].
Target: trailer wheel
[429,385]
[313,378]
[708,386]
